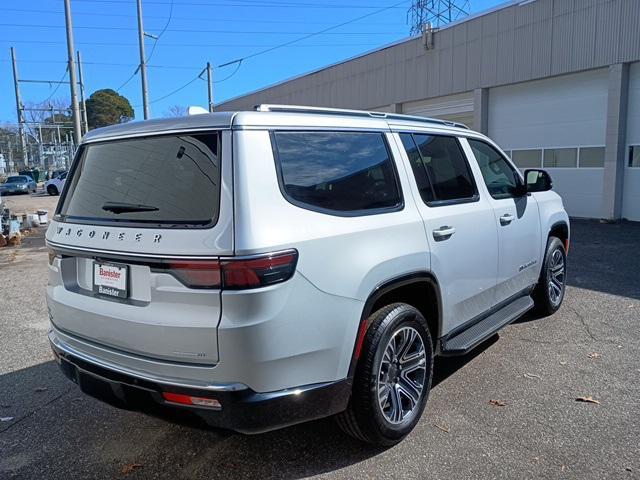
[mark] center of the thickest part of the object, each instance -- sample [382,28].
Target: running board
[466,339]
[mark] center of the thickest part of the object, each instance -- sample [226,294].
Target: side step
[462,341]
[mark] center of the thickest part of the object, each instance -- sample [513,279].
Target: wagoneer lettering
[293,273]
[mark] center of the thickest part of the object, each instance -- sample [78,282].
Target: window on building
[634,156]
[500,177]
[591,157]
[440,168]
[527,158]
[341,172]
[560,158]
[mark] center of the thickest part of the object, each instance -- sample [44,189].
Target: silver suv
[265,268]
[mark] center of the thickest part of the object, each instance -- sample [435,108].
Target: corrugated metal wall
[514,44]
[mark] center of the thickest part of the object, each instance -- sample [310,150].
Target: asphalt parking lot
[536,368]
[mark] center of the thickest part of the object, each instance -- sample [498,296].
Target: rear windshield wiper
[117,207]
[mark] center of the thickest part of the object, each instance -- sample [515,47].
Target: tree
[10,143]
[55,111]
[107,107]
[176,111]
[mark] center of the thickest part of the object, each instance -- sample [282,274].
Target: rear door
[459,224]
[517,220]
[136,235]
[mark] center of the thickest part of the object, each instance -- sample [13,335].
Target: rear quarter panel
[343,258]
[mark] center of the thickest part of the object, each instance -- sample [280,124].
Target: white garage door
[454,108]
[631,189]
[559,124]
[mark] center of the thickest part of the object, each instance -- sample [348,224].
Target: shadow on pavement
[53,421]
[604,257]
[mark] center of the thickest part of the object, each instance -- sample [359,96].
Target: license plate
[110,280]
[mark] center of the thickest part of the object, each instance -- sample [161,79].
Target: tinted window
[438,162]
[527,158]
[176,180]
[337,171]
[560,157]
[634,156]
[418,167]
[500,177]
[18,179]
[591,157]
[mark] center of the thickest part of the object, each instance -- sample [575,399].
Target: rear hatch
[136,229]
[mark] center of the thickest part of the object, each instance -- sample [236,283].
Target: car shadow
[604,257]
[53,422]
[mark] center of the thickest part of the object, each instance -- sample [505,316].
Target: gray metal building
[555,82]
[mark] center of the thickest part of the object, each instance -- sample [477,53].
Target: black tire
[52,190]
[547,296]
[364,418]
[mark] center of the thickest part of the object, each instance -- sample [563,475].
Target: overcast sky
[218,31]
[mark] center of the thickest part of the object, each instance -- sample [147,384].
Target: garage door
[454,108]
[559,124]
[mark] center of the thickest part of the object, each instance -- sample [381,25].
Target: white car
[54,186]
[304,262]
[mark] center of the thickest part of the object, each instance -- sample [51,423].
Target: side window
[418,167]
[440,168]
[341,172]
[500,177]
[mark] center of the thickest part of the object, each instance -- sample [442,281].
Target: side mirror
[537,180]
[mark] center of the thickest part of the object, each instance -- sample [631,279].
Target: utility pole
[143,64]
[77,128]
[20,113]
[82,98]
[210,85]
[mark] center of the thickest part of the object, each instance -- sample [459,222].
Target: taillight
[258,271]
[235,274]
[196,273]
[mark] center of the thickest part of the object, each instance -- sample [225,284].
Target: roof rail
[356,113]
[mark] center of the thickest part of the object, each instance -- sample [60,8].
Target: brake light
[235,274]
[260,271]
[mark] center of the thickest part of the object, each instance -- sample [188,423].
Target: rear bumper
[242,409]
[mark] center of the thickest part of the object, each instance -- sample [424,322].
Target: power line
[325,31]
[190,30]
[124,84]
[164,29]
[66,71]
[230,75]
[200,18]
[181,45]
[173,92]
[267,4]
[110,64]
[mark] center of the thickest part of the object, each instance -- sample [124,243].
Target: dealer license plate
[110,280]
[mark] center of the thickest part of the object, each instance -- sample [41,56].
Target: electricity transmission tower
[435,13]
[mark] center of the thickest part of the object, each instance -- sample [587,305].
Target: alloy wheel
[402,375]
[556,277]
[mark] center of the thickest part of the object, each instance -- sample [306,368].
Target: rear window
[168,180]
[342,173]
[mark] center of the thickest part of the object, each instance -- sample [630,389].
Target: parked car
[305,262]
[18,184]
[54,186]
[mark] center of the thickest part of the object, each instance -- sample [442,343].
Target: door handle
[506,219]
[443,232]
